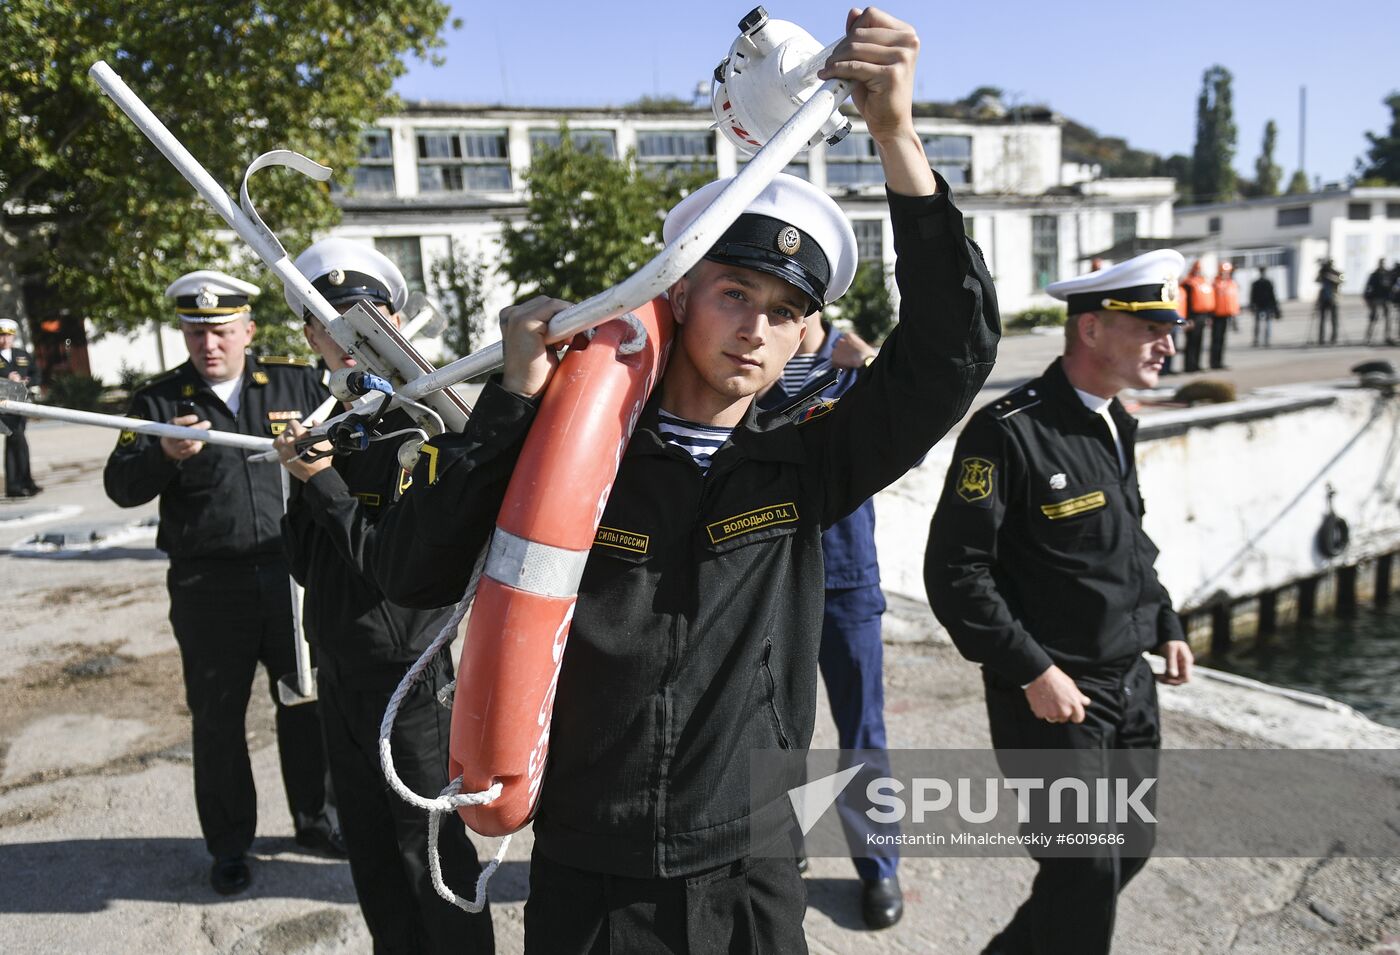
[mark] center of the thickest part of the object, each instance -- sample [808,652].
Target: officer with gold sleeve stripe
[1039,568]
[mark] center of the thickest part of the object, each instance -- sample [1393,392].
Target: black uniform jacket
[1036,553]
[216,504]
[695,636]
[324,533]
[22,364]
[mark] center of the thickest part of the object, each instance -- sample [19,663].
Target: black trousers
[748,907]
[1074,901]
[17,477]
[387,838]
[1219,328]
[1195,337]
[229,616]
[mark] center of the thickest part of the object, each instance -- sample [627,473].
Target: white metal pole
[228,439]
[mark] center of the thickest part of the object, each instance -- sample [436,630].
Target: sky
[1124,68]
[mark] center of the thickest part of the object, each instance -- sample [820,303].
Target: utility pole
[1302,127]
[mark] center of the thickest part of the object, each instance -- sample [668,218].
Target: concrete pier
[100,848]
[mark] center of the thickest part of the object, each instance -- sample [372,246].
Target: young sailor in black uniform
[220,522]
[364,645]
[1038,566]
[698,645]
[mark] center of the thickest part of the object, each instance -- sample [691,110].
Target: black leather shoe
[230,875]
[881,902]
[322,839]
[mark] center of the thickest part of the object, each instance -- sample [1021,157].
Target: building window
[950,155]
[476,160]
[1295,215]
[797,167]
[1392,210]
[870,239]
[1125,226]
[584,140]
[1045,250]
[407,253]
[1213,225]
[374,170]
[854,162]
[1358,211]
[678,150]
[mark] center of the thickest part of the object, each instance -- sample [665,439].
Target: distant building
[1290,235]
[438,178]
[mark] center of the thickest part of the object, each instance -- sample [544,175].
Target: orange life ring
[514,647]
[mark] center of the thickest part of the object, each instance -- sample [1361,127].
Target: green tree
[590,222]
[1299,185]
[89,205]
[867,305]
[1212,169]
[460,279]
[1267,173]
[1382,162]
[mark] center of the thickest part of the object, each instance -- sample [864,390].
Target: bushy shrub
[1042,316]
[80,392]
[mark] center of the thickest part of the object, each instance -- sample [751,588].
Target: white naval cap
[8,326]
[792,230]
[207,297]
[344,271]
[1144,286]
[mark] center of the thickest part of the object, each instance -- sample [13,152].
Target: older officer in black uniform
[365,645]
[230,596]
[1039,567]
[696,644]
[18,365]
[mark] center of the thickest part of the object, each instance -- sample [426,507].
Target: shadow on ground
[88,875]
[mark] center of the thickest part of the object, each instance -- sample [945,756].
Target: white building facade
[439,179]
[1290,235]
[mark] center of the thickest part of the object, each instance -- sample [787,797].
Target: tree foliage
[88,203]
[1299,185]
[1212,169]
[1267,173]
[1382,161]
[461,281]
[590,221]
[867,305]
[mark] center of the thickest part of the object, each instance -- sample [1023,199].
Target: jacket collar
[1055,384]
[759,436]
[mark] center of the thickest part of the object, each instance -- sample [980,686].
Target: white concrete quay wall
[1235,494]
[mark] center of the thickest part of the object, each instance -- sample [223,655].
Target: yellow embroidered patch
[126,438]
[755,520]
[405,480]
[622,540]
[187,391]
[1075,505]
[259,377]
[816,411]
[975,479]
[372,500]
[431,453]
[277,427]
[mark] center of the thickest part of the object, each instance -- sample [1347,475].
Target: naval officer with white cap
[1038,566]
[696,633]
[365,644]
[220,522]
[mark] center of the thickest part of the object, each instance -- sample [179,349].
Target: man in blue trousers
[826,365]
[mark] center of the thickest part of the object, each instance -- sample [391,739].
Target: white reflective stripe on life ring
[532,567]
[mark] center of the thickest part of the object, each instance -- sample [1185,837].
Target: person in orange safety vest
[1227,308]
